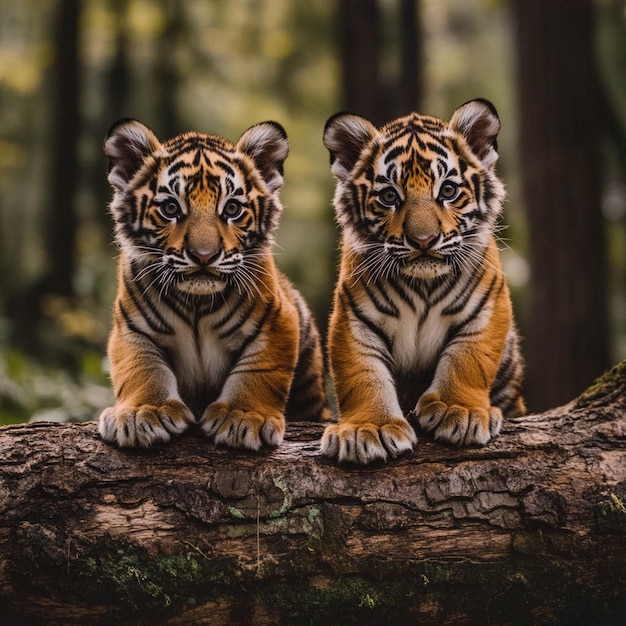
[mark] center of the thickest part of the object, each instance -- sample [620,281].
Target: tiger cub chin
[422,321]
[205,327]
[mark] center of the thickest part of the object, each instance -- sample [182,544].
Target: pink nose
[424,242]
[203,257]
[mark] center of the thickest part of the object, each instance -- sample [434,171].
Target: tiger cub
[421,320]
[205,327]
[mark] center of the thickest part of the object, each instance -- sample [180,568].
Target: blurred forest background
[555,69]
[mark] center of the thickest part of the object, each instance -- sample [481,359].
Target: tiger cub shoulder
[422,322]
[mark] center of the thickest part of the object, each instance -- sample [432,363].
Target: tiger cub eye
[389,197]
[170,209]
[448,190]
[232,209]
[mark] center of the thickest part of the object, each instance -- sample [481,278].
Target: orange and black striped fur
[205,327]
[422,320]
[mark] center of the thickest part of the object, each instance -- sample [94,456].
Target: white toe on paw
[365,443]
[236,428]
[145,425]
[456,424]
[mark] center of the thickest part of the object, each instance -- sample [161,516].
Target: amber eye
[170,209]
[388,197]
[232,209]
[448,190]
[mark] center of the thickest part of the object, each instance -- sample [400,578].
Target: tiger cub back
[205,329]
[422,321]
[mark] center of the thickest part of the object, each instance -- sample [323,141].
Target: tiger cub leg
[371,424]
[148,409]
[457,408]
[249,412]
[307,395]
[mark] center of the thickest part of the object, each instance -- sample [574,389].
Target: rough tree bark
[527,530]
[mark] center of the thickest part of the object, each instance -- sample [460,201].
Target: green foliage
[32,391]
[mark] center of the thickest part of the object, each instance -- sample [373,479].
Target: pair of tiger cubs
[207,330]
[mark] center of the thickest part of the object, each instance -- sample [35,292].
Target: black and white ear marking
[345,136]
[127,144]
[266,144]
[478,121]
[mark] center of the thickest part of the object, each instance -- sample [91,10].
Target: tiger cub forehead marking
[203,160]
[420,149]
[202,170]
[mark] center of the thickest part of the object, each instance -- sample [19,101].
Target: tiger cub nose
[424,242]
[202,257]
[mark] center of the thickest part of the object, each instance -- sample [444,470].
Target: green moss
[438,572]
[352,600]
[519,578]
[236,513]
[611,513]
[292,590]
[130,580]
[530,543]
[610,381]
[314,515]
[142,582]
[280,484]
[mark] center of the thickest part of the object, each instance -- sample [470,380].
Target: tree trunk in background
[567,341]
[167,73]
[359,52]
[527,530]
[118,81]
[62,221]
[367,90]
[411,59]
[118,76]
[26,307]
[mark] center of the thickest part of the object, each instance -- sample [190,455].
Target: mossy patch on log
[612,514]
[612,381]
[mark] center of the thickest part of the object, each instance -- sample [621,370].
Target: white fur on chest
[417,343]
[420,333]
[199,358]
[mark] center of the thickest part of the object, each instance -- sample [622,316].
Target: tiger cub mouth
[425,265]
[203,272]
[202,281]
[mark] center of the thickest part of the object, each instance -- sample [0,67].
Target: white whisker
[153,267]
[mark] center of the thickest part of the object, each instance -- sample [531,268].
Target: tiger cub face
[196,211]
[418,195]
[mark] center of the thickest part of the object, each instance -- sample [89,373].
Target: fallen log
[530,529]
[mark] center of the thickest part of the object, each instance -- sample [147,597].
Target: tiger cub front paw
[457,424]
[238,428]
[368,442]
[145,425]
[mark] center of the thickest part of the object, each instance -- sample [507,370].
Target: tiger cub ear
[345,136]
[126,146]
[478,121]
[266,144]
